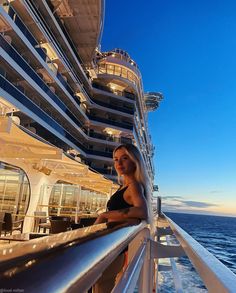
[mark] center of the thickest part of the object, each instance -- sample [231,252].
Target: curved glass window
[70,200]
[119,71]
[14,190]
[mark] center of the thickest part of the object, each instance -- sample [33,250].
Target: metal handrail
[73,264]
[75,260]
[129,279]
[215,275]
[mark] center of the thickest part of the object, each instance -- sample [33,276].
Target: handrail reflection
[65,259]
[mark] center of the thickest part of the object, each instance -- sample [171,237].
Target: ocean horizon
[215,233]
[197,213]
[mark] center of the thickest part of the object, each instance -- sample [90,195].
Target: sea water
[216,234]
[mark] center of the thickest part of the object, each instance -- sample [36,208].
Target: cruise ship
[64,106]
[68,104]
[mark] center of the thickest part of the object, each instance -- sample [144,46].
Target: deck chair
[41,222]
[9,225]
[62,224]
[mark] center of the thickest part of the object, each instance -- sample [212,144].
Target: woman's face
[122,162]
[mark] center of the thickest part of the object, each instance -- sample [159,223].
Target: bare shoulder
[134,190]
[135,187]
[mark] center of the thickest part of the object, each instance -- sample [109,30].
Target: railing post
[146,275]
[159,206]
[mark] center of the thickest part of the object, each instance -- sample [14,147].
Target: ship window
[67,199]
[118,70]
[124,73]
[102,68]
[130,76]
[110,69]
[14,190]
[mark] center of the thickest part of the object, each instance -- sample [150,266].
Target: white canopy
[15,143]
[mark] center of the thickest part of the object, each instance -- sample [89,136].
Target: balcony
[99,153]
[121,72]
[108,137]
[125,94]
[30,71]
[37,47]
[33,108]
[109,121]
[114,107]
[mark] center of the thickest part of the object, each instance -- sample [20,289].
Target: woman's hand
[101,219]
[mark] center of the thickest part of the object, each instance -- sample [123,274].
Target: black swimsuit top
[117,201]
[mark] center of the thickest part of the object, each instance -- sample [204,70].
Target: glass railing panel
[111,69]
[67,36]
[65,58]
[102,87]
[11,12]
[39,50]
[108,121]
[100,153]
[115,107]
[41,53]
[65,84]
[111,106]
[125,94]
[125,140]
[25,31]
[98,135]
[129,95]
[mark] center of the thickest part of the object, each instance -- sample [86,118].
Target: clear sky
[187,51]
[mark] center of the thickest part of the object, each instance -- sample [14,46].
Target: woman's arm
[134,195]
[121,215]
[105,218]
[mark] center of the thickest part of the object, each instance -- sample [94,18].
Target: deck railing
[73,261]
[70,261]
[215,275]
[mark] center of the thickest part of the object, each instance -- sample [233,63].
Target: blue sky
[187,51]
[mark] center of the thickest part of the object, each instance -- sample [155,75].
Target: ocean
[216,234]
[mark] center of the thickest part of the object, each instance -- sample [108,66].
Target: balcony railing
[31,106]
[74,261]
[125,94]
[114,107]
[37,47]
[119,139]
[99,153]
[109,121]
[20,97]
[113,69]
[27,33]
[30,71]
[39,17]
[67,36]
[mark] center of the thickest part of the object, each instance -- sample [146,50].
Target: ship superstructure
[58,87]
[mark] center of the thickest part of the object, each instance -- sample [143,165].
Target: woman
[127,204]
